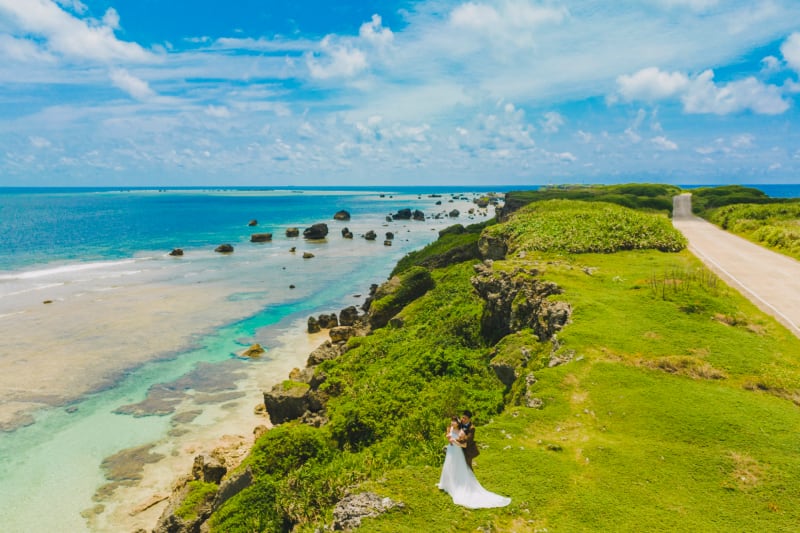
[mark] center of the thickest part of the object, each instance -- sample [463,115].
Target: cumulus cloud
[701,94]
[651,84]
[218,111]
[22,50]
[342,60]
[513,21]
[67,35]
[135,87]
[791,51]
[552,122]
[374,32]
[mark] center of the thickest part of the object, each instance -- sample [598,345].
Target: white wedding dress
[460,482]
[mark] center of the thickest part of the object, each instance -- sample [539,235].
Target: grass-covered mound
[705,199]
[454,245]
[585,227]
[650,196]
[776,226]
[674,407]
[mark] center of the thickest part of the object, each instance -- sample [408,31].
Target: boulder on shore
[292,232]
[370,235]
[176,252]
[454,213]
[341,333]
[418,215]
[313,325]
[261,237]
[323,352]
[389,235]
[290,400]
[403,214]
[348,316]
[346,233]
[328,321]
[341,215]
[307,255]
[224,249]
[254,350]
[387,243]
[316,231]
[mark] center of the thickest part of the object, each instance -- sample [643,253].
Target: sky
[400,92]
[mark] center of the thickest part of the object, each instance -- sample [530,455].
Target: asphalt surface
[768,279]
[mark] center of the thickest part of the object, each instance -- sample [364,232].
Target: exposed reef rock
[328,321]
[346,233]
[308,255]
[176,252]
[316,231]
[341,215]
[370,235]
[418,215]
[261,237]
[292,232]
[290,400]
[255,350]
[341,333]
[252,223]
[389,235]
[348,316]
[224,249]
[518,300]
[323,352]
[313,325]
[349,512]
[454,213]
[403,214]
[492,246]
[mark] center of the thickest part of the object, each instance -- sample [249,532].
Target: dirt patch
[781,392]
[747,473]
[685,366]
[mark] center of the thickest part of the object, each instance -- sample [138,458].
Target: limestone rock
[316,231]
[261,237]
[252,223]
[349,512]
[403,214]
[176,252]
[313,325]
[323,352]
[341,215]
[307,255]
[289,400]
[387,243]
[454,213]
[341,333]
[292,232]
[389,236]
[231,487]
[328,321]
[224,249]
[391,297]
[370,235]
[418,215]
[255,350]
[348,316]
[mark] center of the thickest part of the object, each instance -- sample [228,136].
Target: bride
[459,481]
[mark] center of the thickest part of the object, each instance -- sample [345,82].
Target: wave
[63,269]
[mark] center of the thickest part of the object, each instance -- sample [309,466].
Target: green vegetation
[657,197]
[705,199]
[455,244]
[199,494]
[676,407]
[776,226]
[580,227]
[399,292]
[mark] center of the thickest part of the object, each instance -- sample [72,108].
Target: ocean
[118,362]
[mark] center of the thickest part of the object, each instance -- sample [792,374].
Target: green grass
[199,493]
[776,226]
[647,196]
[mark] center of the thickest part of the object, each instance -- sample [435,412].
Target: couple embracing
[457,478]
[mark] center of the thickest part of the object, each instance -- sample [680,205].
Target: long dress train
[462,485]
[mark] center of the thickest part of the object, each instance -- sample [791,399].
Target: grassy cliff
[666,403]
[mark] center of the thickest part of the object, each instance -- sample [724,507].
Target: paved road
[768,279]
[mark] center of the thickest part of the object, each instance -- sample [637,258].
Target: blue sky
[256,92]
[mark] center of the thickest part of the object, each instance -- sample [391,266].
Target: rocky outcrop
[348,316]
[346,233]
[308,255]
[403,214]
[231,487]
[290,400]
[391,297]
[370,235]
[518,300]
[327,321]
[252,223]
[387,243]
[418,215]
[261,237]
[454,213]
[341,215]
[341,333]
[492,246]
[510,205]
[224,249]
[176,252]
[316,231]
[170,521]
[389,236]
[351,509]
[325,351]
[313,325]
[292,232]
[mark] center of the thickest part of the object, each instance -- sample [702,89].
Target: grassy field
[676,411]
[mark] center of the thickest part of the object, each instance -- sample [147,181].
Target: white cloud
[749,94]
[218,111]
[566,156]
[512,22]
[22,50]
[135,87]
[770,64]
[39,142]
[111,18]
[342,61]
[651,84]
[662,143]
[744,140]
[70,36]
[374,32]
[694,5]
[74,5]
[552,122]
[791,51]
[701,94]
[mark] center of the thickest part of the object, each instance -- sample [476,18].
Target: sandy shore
[227,425]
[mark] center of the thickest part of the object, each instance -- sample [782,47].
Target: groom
[471,449]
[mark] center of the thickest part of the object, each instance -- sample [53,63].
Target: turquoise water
[65,245]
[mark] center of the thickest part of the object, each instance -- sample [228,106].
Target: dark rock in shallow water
[313,325]
[316,231]
[292,232]
[307,255]
[387,243]
[389,235]
[341,215]
[255,350]
[252,223]
[370,235]
[418,215]
[176,252]
[224,249]
[403,214]
[328,321]
[454,213]
[261,237]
